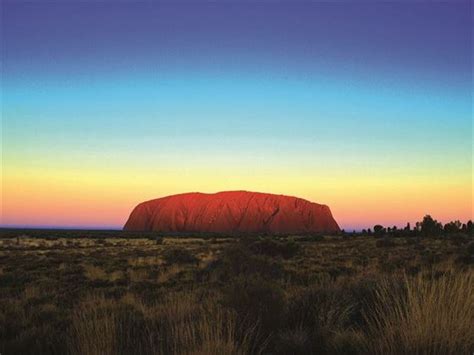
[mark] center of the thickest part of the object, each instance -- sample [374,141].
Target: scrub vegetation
[79,292]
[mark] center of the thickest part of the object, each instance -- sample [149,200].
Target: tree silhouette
[430,226]
[379,230]
[453,227]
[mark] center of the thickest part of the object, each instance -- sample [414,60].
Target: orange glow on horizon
[105,199]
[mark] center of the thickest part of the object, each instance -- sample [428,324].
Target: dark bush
[470,248]
[179,256]
[459,239]
[385,243]
[467,255]
[430,257]
[273,248]
[236,260]
[293,341]
[313,316]
[379,230]
[313,307]
[311,238]
[412,270]
[256,300]
[412,240]
[387,266]
[157,239]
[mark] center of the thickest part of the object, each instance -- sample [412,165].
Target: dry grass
[169,272]
[31,292]
[137,275]
[429,315]
[145,261]
[214,333]
[180,324]
[107,295]
[94,272]
[202,327]
[94,327]
[206,258]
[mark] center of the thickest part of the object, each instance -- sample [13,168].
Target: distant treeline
[79,233]
[428,227]
[99,234]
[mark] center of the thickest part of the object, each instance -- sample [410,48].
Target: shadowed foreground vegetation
[94,293]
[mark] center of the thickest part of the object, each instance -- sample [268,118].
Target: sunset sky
[364,107]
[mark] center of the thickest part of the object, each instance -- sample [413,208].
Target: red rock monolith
[232,212]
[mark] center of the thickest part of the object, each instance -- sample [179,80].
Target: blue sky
[266,86]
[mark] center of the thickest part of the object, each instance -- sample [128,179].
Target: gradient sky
[365,107]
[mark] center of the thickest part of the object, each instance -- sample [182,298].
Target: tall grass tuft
[181,323]
[93,327]
[431,314]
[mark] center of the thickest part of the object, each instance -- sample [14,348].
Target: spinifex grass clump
[432,314]
[181,323]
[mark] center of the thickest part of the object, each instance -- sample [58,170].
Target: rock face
[232,212]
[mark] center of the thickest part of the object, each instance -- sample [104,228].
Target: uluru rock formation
[232,212]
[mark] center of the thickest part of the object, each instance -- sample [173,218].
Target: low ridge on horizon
[237,211]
